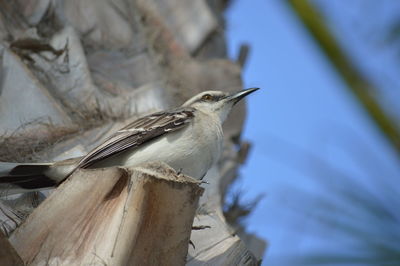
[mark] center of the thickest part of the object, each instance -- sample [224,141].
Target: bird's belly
[190,151]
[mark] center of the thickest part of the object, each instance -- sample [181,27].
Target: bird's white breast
[191,150]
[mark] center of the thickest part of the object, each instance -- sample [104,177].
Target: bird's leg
[179,171]
[201,178]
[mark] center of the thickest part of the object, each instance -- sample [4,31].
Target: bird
[188,138]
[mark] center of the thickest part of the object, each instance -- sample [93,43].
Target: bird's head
[217,102]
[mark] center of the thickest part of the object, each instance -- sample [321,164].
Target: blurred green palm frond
[356,221]
[357,83]
[364,222]
[362,218]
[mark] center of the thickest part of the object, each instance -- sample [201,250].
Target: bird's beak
[236,97]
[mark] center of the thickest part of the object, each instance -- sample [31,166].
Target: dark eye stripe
[207,97]
[210,98]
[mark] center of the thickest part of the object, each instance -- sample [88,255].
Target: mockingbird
[188,138]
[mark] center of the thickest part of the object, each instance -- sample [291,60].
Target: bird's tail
[16,178]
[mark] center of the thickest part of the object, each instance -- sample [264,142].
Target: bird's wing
[140,131]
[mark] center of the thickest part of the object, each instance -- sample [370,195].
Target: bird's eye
[207,97]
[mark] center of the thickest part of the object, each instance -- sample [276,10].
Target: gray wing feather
[140,131]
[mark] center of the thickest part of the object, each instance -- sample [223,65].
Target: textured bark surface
[73,72]
[8,255]
[112,216]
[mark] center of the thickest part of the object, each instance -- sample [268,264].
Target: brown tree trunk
[8,255]
[75,71]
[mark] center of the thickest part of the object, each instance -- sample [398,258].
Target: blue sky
[303,111]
